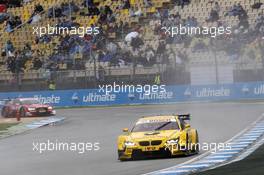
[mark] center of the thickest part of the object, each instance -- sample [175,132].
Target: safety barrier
[184,93]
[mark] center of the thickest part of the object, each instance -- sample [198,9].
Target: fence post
[17,116]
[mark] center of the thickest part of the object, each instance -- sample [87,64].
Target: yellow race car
[155,136]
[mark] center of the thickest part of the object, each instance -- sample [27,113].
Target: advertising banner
[172,94]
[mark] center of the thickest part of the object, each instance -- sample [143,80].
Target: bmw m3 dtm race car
[166,135]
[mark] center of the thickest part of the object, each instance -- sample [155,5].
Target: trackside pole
[17,116]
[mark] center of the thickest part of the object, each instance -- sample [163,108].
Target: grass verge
[5,126]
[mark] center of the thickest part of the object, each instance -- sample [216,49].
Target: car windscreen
[155,126]
[29,102]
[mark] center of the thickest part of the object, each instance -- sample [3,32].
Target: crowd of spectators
[74,51]
[62,10]
[11,21]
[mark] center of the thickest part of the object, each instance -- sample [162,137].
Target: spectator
[88,3]
[111,47]
[93,11]
[235,10]
[36,18]
[68,8]
[161,48]
[191,22]
[55,12]
[157,80]
[108,10]
[2,8]
[3,16]
[100,76]
[216,7]
[136,43]
[160,52]
[38,9]
[3,53]
[135,12]
[43,39]
[51,85]
[199,45]
[103,15]
[259,21]
[147,3]
[27,50]
[157,14]
[9,47]
[213,16]
[125,4]
[11,64]
[14,3]
[150,56]
[181,3]
[257,5]
[12,23]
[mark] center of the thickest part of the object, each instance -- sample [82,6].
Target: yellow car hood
[154,135]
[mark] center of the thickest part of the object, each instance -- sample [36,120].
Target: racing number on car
[150,148]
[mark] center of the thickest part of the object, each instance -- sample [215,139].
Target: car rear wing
[184,116]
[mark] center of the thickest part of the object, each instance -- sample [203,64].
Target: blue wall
[93,97]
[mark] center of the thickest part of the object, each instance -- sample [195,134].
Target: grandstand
[64,57]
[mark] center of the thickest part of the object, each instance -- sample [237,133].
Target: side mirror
[125,129]
[187,125]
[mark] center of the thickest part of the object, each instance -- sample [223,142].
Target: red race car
[26,107]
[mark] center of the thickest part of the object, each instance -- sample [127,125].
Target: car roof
[161,118]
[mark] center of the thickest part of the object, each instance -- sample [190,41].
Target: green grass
[5,126]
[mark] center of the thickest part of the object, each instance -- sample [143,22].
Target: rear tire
[193,146]
[188,150]
[197,147]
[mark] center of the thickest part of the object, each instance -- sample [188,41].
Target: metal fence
[244,70]
[39,80]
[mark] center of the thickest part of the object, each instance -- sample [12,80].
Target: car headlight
[31,109]
[129,143]
[49,108]
[173,141]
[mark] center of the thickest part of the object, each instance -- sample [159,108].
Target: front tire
[120,153]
